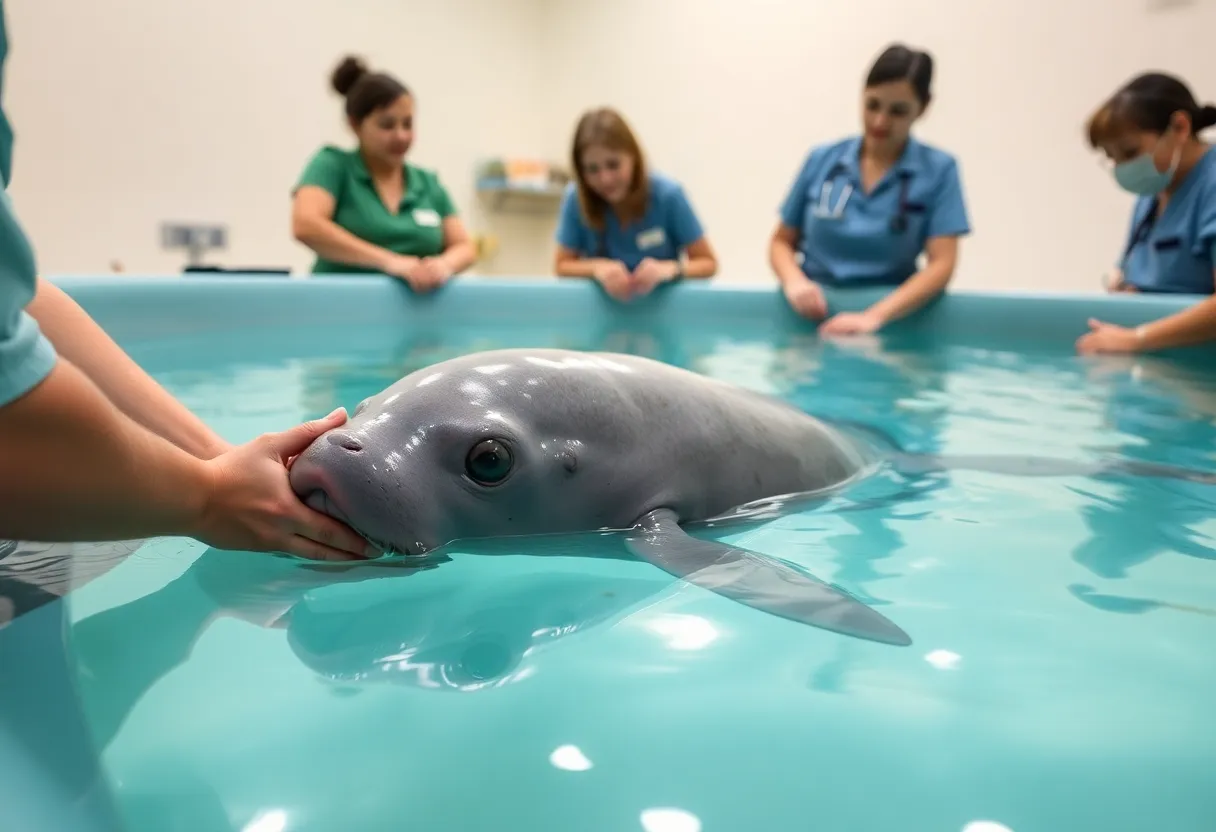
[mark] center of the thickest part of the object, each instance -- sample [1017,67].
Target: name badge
[426,217]
[652,238]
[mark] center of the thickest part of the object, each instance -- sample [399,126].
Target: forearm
[782,260]
[1193,325]
[700,267]
[459,256]
[76,468]
[579,266]
[913,293]
[333,242]
[79,339]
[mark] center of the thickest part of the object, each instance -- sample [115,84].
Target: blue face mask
[1140,176]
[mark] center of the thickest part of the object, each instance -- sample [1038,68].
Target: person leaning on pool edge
[1149,129]
[92,449]
[863,209]
[368,209]
[622,224]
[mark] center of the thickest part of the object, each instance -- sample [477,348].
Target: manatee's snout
[316,476]
[343,474]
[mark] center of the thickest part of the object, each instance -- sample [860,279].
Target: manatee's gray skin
[542,441]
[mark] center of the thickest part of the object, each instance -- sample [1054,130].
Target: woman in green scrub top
[627,227]
[367,209]
[863,209]
[1149,131]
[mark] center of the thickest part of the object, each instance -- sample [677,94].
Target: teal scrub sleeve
[26,356]
[570,226]
[685,226]
[948,215]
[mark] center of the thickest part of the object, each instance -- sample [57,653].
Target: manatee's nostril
[345,440]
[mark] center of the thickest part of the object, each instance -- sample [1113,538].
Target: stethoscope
[1142,229]
[822,210]
[1140,233]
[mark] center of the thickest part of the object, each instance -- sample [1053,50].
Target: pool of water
[1060,674]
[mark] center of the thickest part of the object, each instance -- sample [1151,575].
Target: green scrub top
[415,230]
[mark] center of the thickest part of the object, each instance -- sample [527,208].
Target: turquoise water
[1060,674]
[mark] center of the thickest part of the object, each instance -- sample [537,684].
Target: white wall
[213,114]
[129,112]
[729,95]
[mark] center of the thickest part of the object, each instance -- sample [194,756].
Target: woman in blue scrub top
[1148,130]
[623,225]
[863,209]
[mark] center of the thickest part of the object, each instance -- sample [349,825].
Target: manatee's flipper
[759,582]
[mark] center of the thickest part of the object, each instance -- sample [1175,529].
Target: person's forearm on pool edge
[312,225]
[459,250]
[79,338]
[782,258]
[942,257]
[1194,325]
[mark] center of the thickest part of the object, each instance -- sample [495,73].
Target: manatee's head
[467,448]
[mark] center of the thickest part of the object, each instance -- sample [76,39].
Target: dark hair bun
[348,74]
[1205,118]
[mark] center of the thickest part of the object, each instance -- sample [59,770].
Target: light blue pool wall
[43,791]
[134,309]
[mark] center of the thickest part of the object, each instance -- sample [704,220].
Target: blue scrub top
[848,237]
[668,227]
[26,356]
[1175,252]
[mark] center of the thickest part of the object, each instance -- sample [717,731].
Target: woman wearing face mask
[862,210]
[625,226]
[367,209]
[1149,131]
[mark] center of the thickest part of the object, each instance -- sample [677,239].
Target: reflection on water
[1061,623]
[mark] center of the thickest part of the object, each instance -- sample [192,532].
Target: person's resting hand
[615,279]
[431,273]
[251,505]
[1107,338]
[851,323]
[807,299]
[650,273]
[1116,284]
[402,267]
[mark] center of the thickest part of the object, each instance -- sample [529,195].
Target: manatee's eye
[488,462]
[362,406]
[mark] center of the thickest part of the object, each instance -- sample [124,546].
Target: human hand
[250,504]
[615,278]
[1108,338]
[650,273]
[851,323]
[430,273]
[399,265]
[806,298]
[1116,283]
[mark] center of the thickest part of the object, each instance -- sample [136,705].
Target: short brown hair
[605,127]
